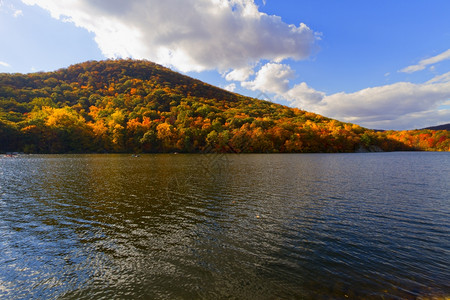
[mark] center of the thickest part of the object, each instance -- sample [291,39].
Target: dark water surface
[225,226]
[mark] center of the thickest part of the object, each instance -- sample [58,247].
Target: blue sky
[379,63]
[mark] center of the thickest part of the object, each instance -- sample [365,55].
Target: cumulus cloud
[388,101]
[301,95]
[230,87]
[271,78]
[191,35]
[400,105]
[411,121]
[241,74]
[426,62]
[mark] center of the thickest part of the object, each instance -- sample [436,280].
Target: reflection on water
[234,226]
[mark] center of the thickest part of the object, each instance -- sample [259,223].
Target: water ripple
[254,226]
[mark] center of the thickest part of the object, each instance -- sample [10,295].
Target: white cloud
[410,121]
[426,62]
[241,74]
[387,101]
[191,35]
[301,95]
[271,78]
[231,87]
[402,105]
[440,78]
[4,64]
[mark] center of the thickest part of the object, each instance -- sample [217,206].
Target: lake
[213,226]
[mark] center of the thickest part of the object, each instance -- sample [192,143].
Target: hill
[139,106]
[439,127]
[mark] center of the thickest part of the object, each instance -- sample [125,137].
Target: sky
[381,64]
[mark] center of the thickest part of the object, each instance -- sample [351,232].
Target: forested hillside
[139,106]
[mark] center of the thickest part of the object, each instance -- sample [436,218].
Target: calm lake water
[291,226]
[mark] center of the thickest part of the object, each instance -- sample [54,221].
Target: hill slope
[139,106]
[440,127]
